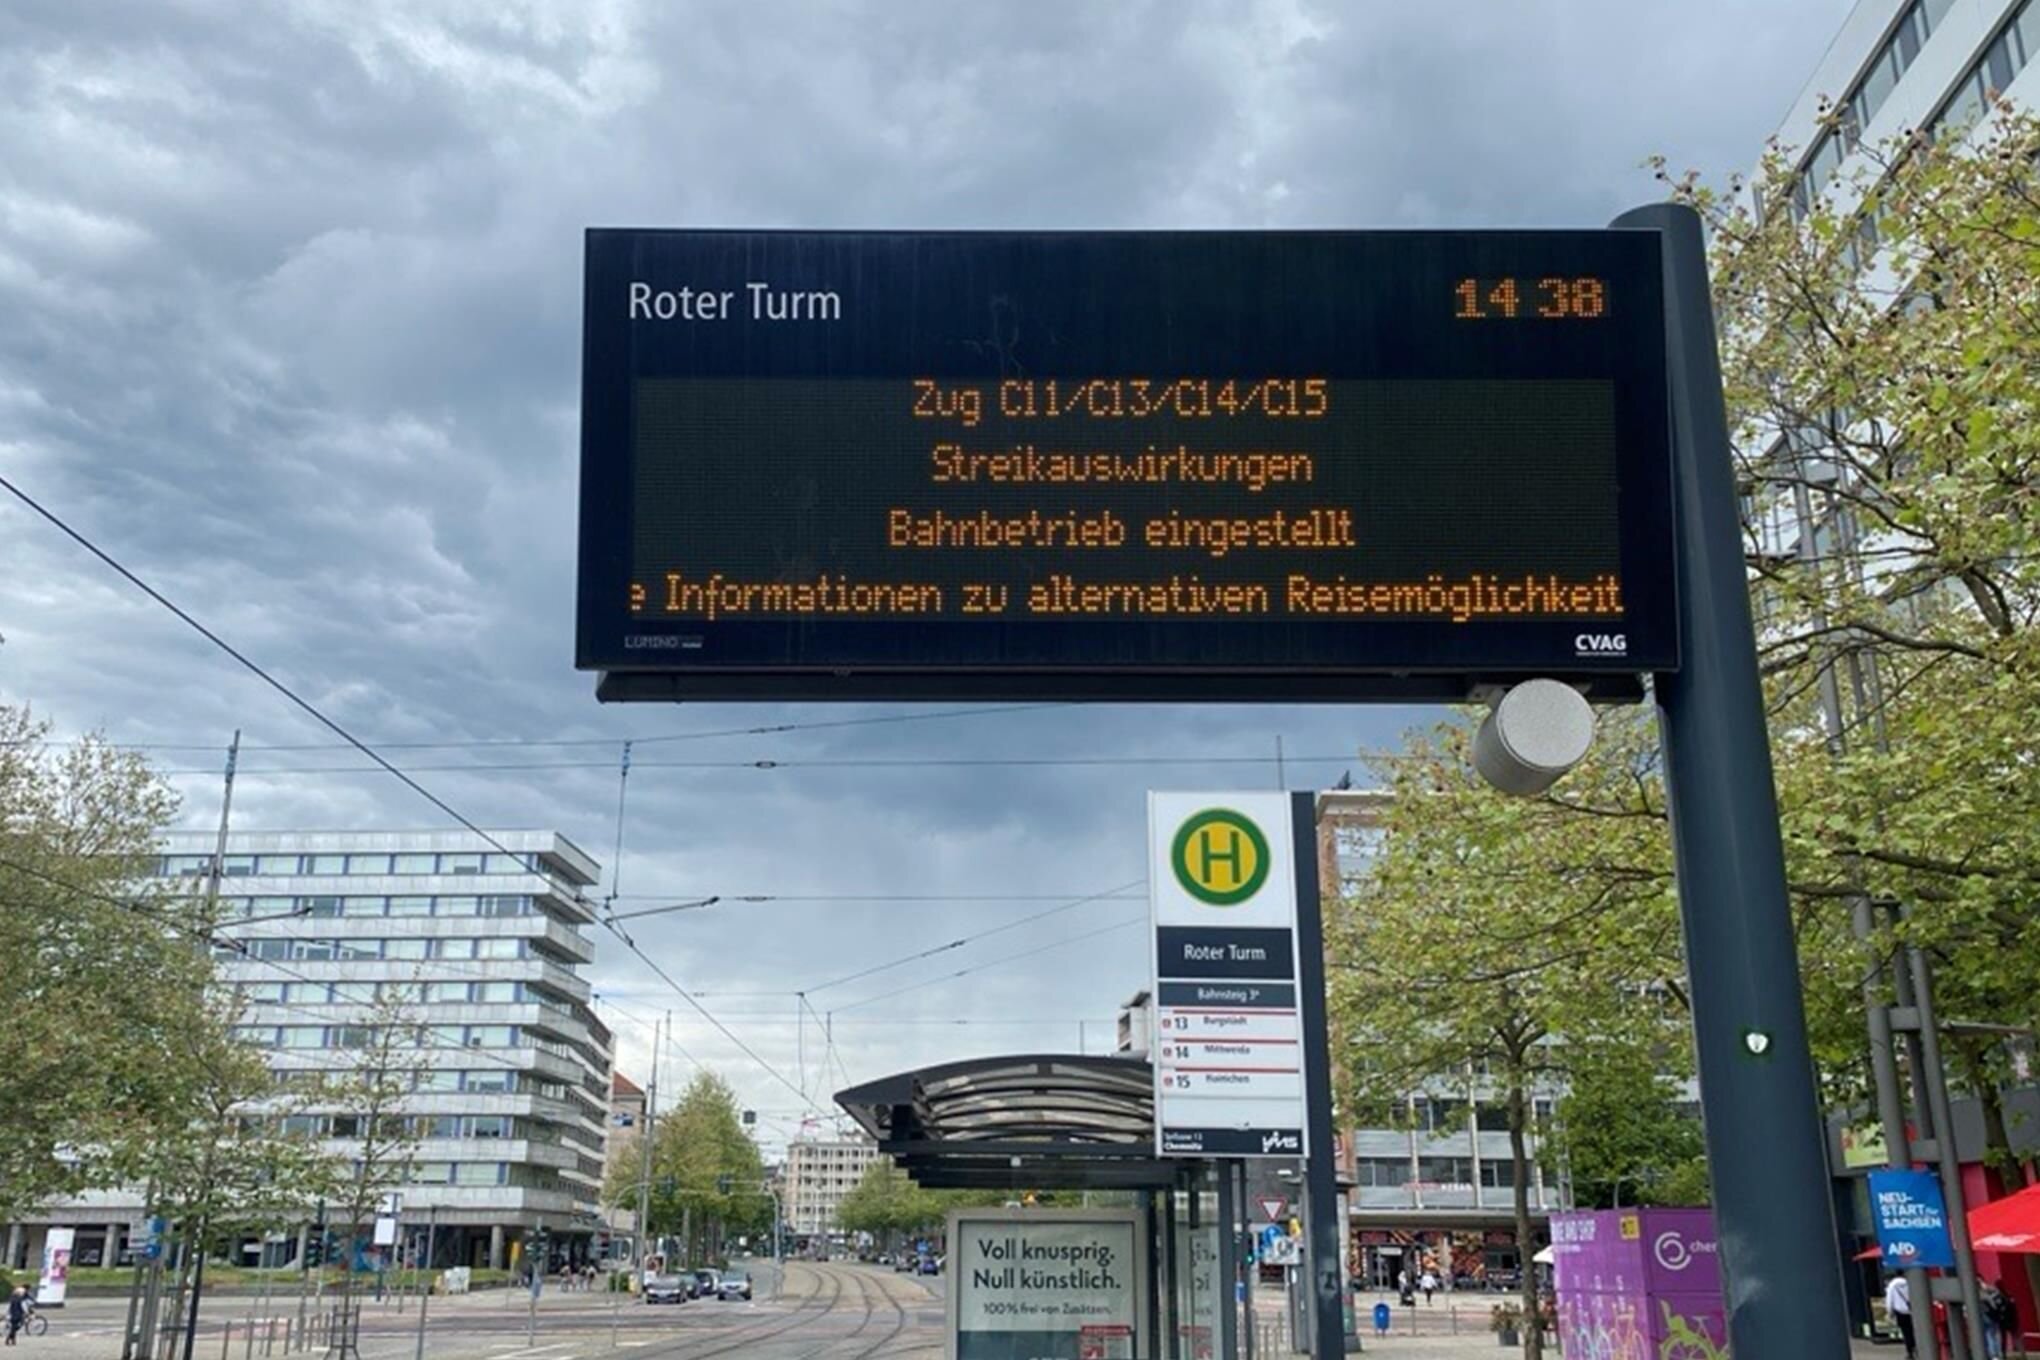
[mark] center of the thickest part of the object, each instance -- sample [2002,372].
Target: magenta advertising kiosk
[1639,1284]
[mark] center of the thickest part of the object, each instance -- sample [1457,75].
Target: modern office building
[483,952]
[819,1173]
[1902,65]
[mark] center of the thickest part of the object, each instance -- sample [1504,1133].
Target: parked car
[669,1289]
[734,1284]
[706,1283]
[905,1262]
[929,1265]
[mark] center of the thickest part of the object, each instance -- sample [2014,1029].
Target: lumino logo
[1601,644]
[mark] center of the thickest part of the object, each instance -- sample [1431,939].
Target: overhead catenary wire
[802,763]
[989,963]
[206,934]
[517,743]
[380,762]
[286,691]
[964,940]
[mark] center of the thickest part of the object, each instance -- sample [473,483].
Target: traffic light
[315,1251]
[722,1185]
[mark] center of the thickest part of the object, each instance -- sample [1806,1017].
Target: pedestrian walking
[17,1312]
[2000,1321]
[1898,1303]
[1429,1285]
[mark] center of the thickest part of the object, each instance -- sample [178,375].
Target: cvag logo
[1601,644]
[1280,1140]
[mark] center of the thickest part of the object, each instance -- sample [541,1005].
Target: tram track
[740,1338]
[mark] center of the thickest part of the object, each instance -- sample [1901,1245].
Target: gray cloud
[288,320]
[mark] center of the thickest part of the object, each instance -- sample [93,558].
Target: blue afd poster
[1912,1220]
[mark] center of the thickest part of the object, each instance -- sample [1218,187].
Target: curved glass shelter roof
[1049,1121]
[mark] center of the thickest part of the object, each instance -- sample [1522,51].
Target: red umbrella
[2011,1224]
[1868,1254]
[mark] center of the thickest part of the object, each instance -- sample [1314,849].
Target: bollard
[226,1337]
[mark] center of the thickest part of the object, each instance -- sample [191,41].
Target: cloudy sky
[289,323]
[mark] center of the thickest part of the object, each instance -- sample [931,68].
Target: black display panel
[1122,465]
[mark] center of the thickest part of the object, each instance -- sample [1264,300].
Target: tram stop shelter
[1061,1122]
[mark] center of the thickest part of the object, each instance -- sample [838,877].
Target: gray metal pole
[1228,1264]
[1323,1234]
[1773,1212]
[1932,1076]
[425,1298]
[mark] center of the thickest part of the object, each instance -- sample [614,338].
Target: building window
[493,1080]
[368,864]
[431,1173]
[410,906]
[436,1079]
[497,992]
[414,864]
[301,1036]
[499,949]
[453,906]
[505,906]
[446,991]
[280,865]
[308,993]
[454,949]
[405,949]
[489,1126]
[325,865]
[1498,1173]
[1445,1171]
[507,864]
[1384,1171]
[478,1173]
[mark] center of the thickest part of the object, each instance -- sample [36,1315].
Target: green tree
[1877,356]
[367,1102]
[707,1175]
[1491,940]
[105,981]
[1621,1135]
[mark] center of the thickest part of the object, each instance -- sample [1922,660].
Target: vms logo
[1601,644]
[1281,1140]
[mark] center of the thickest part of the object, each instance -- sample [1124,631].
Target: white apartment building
[485,949]
[819,1173]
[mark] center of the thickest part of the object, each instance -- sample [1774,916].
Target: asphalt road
[822,1312]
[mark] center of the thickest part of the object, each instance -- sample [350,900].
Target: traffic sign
[1274,1206]
[1228,1043]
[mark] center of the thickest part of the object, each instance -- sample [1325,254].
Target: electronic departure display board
[1122,465]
